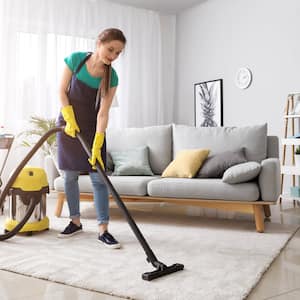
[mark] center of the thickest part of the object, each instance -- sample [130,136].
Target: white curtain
[36,35]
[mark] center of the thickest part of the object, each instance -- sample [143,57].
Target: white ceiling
[163,6]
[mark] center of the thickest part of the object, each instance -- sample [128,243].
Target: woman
[86,92]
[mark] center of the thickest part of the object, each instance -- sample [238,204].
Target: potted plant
[39,126]
[297,156]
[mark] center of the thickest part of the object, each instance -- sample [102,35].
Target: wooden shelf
[290,170]
[291,116]
[289,197]
[290,141]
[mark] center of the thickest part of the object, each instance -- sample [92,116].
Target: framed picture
[208,97]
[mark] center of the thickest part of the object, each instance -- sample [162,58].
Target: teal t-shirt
[83,75]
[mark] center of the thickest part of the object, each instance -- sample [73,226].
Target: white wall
[168,38]
[217,37]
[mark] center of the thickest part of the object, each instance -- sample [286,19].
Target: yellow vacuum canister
[30,184]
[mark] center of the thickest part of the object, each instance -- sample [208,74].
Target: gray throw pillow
[215,166]
[131,162]
[242,172]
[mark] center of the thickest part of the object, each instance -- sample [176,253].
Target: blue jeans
[100,195]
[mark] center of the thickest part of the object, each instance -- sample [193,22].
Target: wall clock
[243,78]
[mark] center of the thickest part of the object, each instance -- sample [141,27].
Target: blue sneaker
[109,241]
[70,230]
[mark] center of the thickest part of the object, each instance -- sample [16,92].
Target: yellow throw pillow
[186,164]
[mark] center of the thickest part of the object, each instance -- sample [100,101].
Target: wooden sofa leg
[59,204]
[267,211]
[259,218]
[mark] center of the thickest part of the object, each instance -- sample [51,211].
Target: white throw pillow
[242,172]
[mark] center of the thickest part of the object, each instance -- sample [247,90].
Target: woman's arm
[64,86]
[103,114]
[66,109]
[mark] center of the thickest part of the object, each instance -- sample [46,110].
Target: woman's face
[109,51]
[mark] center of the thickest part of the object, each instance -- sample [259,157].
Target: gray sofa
[253,196]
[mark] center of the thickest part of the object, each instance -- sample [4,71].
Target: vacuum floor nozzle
[164,270]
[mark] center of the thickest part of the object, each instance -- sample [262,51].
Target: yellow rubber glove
[69,116]
[96,150]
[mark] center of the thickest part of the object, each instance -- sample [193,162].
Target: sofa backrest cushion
[218,139]
[157,138]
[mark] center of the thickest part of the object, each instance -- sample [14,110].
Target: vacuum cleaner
[30,183]
[160,268]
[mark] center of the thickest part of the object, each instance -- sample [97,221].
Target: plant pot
[297,160]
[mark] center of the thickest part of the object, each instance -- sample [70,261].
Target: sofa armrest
[269,179]
[50,170]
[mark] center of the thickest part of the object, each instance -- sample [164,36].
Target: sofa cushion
[131,185]
[131,162]
[157,138]
[124,185]
[204,188]
[215,165]
[186,163]
[218,139]
[242,172]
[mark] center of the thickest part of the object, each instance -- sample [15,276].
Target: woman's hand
[71,124]
[96,150]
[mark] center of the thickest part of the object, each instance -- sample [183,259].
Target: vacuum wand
[161,269]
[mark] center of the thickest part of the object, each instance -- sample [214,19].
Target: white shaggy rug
[223,259]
